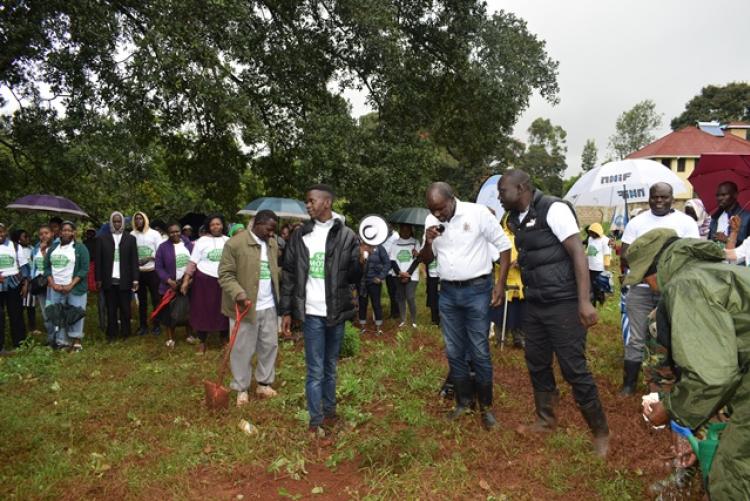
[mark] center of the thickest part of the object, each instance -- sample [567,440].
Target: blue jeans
[465,322]
[63,337]
[322,345]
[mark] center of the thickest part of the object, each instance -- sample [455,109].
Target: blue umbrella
[283,207]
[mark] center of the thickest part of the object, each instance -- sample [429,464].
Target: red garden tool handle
[238,316]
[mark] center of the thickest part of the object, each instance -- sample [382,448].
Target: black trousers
[373,295]
[118,302]
[391,284]
[148,283]
[433,298]
[11,302]
[554,328]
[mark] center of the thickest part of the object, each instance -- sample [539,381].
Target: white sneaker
[401,324]
[170,343]
[242,398]
[413,326]
[192,340]
[265,391]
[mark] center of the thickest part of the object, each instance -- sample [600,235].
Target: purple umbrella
[47,203]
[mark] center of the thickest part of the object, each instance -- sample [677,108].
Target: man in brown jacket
[249,277]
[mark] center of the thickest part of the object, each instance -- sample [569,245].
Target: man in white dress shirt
[457,234]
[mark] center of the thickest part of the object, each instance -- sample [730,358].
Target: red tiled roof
[692,142]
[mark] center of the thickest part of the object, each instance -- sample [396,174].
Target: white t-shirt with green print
[147,243]
[10,263]
[401,252]
[63,262]
[181,259]
[264,300]
[315,290]
[207,254]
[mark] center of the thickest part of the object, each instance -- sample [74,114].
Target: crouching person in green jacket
[703,322]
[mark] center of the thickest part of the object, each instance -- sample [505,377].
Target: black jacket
[342,269]
[546,268]
[105,253]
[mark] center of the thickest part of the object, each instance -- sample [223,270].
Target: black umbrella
[411,215]
[63,315]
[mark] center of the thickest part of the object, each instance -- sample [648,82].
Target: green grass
[125,420]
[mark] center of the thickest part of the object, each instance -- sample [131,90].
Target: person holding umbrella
[13,273]
[116,270]
[171,261]
[66,266]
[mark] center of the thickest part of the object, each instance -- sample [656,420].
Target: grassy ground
[127,420]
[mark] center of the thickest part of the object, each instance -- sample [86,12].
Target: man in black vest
[558,310]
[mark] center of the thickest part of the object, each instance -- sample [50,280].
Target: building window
[666,162]
[747,134]
[680,165]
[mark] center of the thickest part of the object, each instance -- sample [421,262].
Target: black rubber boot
[464,390]
[597,421]
[484,395]
[545,403]
[631,370]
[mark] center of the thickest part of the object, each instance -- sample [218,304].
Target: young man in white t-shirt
[322,261]
[557,306]
[641,299]
[249,278]
[148,241]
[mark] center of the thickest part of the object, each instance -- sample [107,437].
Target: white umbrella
[488,196]
[606,185]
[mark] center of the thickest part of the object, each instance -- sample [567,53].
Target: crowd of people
[686,301]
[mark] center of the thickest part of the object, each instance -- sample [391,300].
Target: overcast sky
[614,54]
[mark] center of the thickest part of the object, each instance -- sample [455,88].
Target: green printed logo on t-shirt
[145,251]
[214,255]
[318,265]
[592,251]
[59,260]
[265,271]
[7,261]
[432,265]
[404,256]
[181,260]
[117,255]
[39,262]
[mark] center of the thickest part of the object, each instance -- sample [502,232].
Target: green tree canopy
[724,104]
[634,129]
[588,156]
[544,158]
[212,101]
